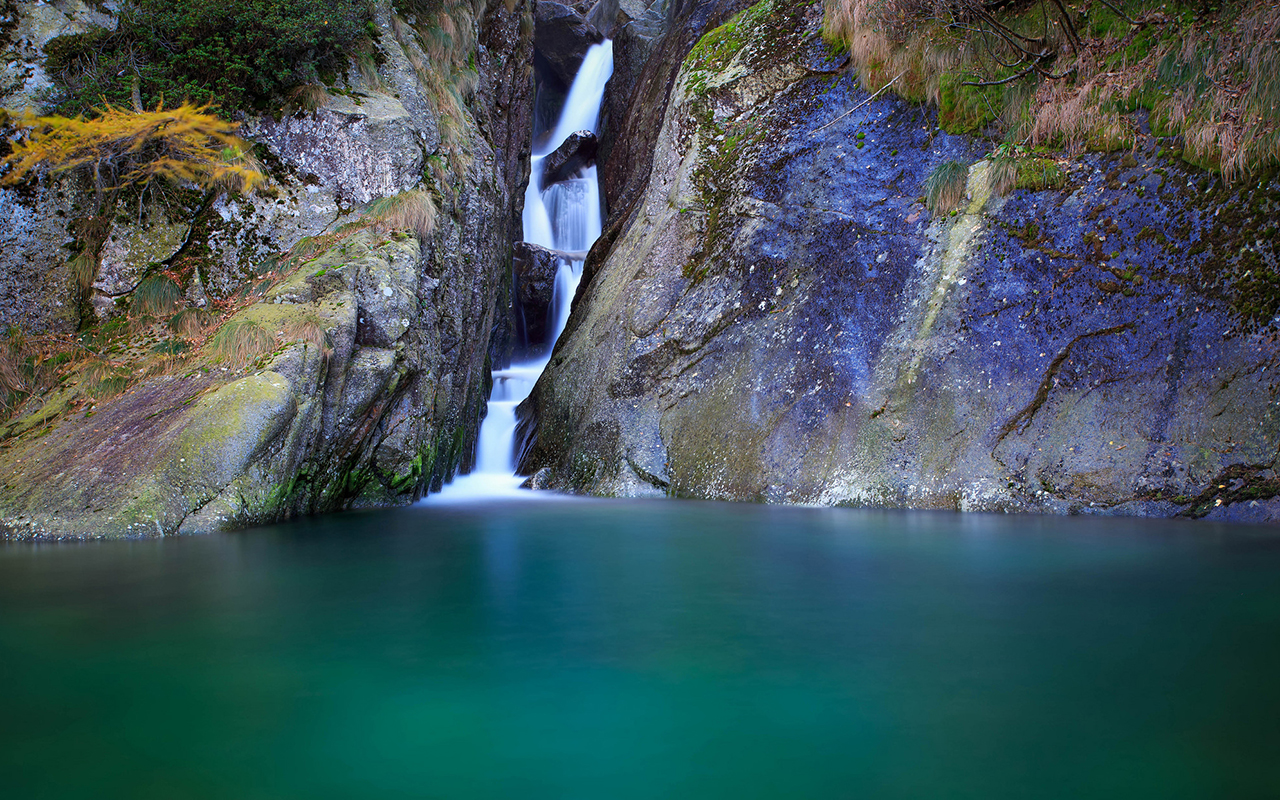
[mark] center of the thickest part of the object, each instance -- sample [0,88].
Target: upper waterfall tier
[565,217]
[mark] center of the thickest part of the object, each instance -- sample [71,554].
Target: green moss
[752,37]
[966,109]
[1237,246]
[1038,174]
[717,48]
[1235,484]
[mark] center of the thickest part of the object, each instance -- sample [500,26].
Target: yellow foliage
[122,148]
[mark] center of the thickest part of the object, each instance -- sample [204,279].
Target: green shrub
[234,53]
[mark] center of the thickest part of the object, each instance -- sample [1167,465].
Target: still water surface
[646,650]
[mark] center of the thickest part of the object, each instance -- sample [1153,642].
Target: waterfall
[563,216]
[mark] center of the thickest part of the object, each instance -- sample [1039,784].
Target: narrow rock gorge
[814,285]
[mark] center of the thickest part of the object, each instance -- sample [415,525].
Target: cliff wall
[779,318]
[349,363]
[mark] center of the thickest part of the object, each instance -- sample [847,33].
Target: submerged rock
[776,317]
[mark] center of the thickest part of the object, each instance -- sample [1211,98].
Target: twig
[860,105]
[1121,14]
[1009,79]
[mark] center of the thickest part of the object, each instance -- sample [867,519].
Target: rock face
[562,37]
[577,151]
[647,59]
[776,318]
[637,27]
[364,151]
[26,26]
[38,292]
[203,451]
[535,270]
[376,379]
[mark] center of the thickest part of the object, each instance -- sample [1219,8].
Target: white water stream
[563,216]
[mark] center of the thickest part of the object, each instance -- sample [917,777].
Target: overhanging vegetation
[1072,74]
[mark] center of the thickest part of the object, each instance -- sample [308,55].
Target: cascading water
[564,216]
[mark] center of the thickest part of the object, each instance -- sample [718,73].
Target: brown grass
[311,331]
[413,211]
[101,379]
[84,267]
[944,189]
[438,40]
[239,342]
[1213,79]
[1228,108]
[1004,175]
[191,323]
[308,97]
[157,295]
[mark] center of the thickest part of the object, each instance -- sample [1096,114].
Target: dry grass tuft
[191,323]
[413,211]
[1004,175]
[84,267]
[13,358]
[1209,74]
[308,97]
[944,189]
[1223,91]
[239,342]
[311,331]
[157,295]
[101,379]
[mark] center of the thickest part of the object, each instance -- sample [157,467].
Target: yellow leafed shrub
[122,148]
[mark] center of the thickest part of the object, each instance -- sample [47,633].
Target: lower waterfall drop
[564,216]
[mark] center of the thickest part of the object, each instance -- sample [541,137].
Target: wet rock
[562,37]
[775,317]
[602,15]
[535,271]
[577,151]
[537,480]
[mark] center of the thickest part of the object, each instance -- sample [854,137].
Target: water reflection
[591,649]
